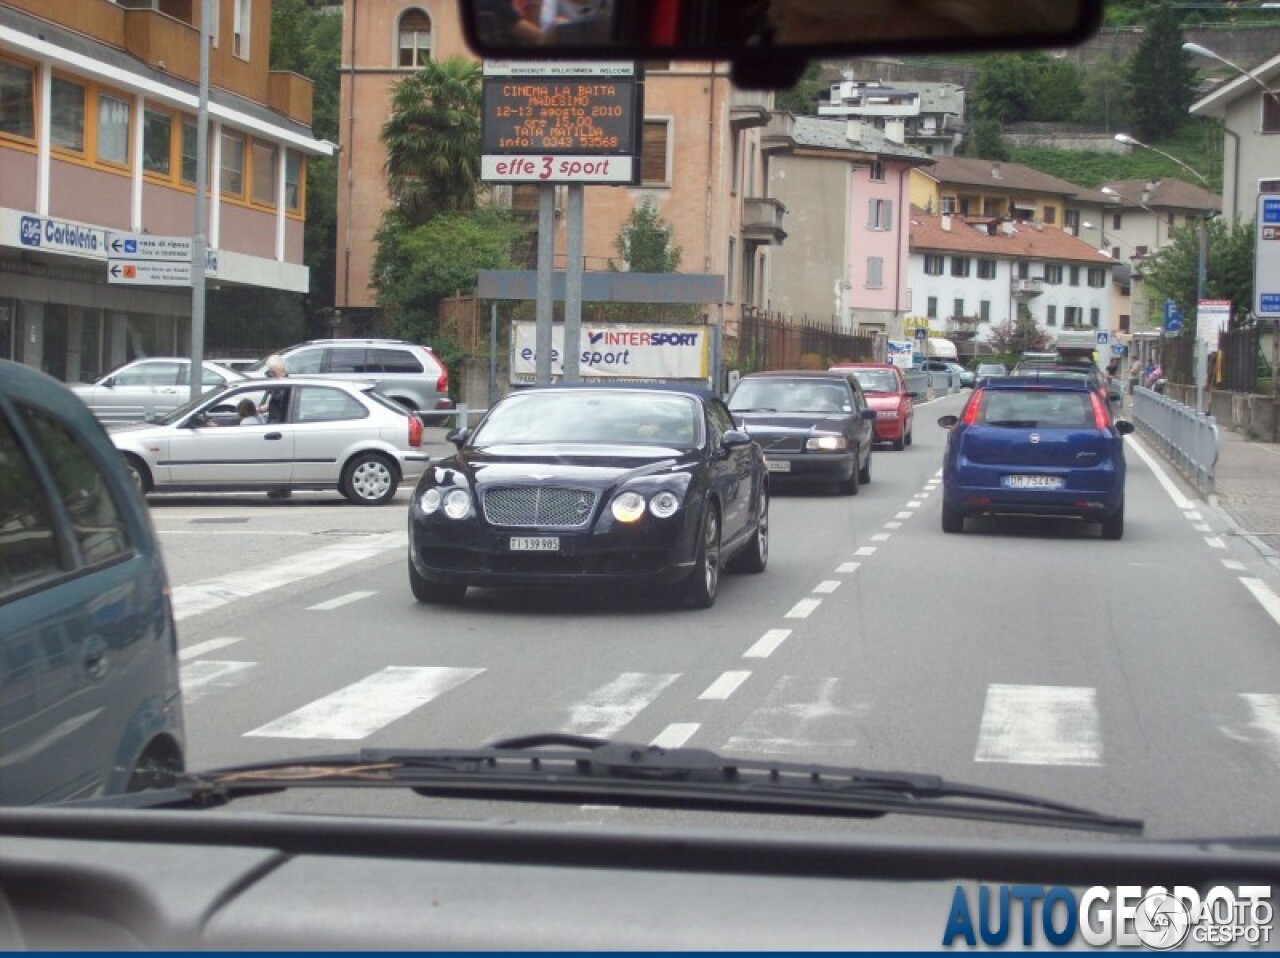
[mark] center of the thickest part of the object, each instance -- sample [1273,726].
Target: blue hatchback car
[1035,446]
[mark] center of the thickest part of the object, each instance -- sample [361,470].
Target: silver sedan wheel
[370,480]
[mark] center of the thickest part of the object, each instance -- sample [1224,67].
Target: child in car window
[248,413]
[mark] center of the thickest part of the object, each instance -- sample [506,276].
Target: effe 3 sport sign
[636,353]
[561,122]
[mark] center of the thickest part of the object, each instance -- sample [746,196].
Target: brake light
[415,431]
[442,383]
[970,415]
[1101,419]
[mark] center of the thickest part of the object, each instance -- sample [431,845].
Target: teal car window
[28,545]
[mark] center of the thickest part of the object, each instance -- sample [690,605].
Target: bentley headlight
[664,504]
[627,507]
[827,443]
[430,500]
[457,503]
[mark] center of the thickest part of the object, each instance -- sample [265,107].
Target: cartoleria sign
[52,234]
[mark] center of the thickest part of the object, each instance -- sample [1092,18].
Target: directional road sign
[148,273]
[1266,259]
[1172,317]
[144,246]
[1102,337]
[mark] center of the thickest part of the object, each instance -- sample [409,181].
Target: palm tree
[433,140]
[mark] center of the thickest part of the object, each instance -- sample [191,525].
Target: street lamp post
[208,10]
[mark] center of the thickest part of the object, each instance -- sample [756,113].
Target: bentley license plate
[535,544]
[778,465]
[1033,482]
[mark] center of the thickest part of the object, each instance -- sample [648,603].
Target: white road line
[802,715]
[938,474]
[1179,500]
[275,534]
[1202,527]
[848,567]
[202,648]
[723,687]
[1039,725]
[606,710]
[675,735]
[200,597]
[200,678]
[893,525]
[904,515]
[340,601]
[914,504]
[827,586]
[1213,542]
[1266,598]
[881,537]
[803,609]
[363,707]
[1266,719]
[767,644]
[922,494]
[1193,515]
[865,551]
[1233,565]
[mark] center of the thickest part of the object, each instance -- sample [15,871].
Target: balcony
[1026,288]
[762,221]
[780,134]
[748,108]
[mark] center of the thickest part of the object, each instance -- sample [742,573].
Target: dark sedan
[585,485]
[813,426]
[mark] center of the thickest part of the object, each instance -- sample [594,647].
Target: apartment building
[968,275]
[701,166]
[98,135]
[846,187]
[927,116]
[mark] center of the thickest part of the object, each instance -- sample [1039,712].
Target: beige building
[702,166]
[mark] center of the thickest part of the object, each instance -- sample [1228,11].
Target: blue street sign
[1172,317]
[921,333]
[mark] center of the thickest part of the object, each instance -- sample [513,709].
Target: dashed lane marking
[848,567]
[204,648]
[803,609]
[1233,565]
[893,525]
[1266,598]
[865,551]
[767,644]
[827,586]
[723,687]
[914,504]
[675,735]
[881,537]
[1213,542]
[904,515]
[340,601]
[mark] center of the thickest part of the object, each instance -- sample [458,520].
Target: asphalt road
[1140,677]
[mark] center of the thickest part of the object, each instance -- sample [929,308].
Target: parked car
[1035,446]
[238,365]
[886,392]
[811,425]
[148,388]
[1053,364]
[88,653]
[985,370]
[582,485]
[330,434]
[410,374]
[964,376]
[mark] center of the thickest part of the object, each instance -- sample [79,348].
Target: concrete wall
[807,267]
[1254,417]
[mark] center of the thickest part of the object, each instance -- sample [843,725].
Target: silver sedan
[295,433]
[148,387]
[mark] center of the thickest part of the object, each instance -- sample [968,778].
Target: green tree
[644,242]
[802,99]
[1019,335]
[1058,89]
[984,141]
[1161,77]
[433,140]
[1005,88]
[1172,271]
[1105,97]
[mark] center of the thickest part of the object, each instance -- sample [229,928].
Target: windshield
[591,416]
[708,540]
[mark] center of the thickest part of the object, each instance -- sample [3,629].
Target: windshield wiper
[1013,423]
[576,769]
[755,409]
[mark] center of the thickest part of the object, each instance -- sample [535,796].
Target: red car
[887,394]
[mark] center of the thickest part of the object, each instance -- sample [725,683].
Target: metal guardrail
[917,382]
[944,383]
[1185,437]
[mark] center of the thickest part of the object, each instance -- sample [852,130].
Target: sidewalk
[1247,484]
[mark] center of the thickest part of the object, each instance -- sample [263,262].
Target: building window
[1050,215]
[932,309]
[986,269]
[875,272]
[113,129]
[157,142]
[1171,218]
[984,310]
[1269,186]
[1270,113]
[1071,317]
[933,264]
[880,214]
[241,16]
[263,158]
[877,171]
[1140,251]
[1051,315]
[17,100]
[958,306]
[232,179]
[964,206]
[1075,275]
[415,39]
[1053,275]
[1024,270]
[991,207]
[654,151]
[730,294]
[1071,220]
[293,181]
[1115,252]
[1116,220]
[66,105]
[948,205]
[1097,277]
[1095,317]
[187,173]
[1124,322]
[960,266]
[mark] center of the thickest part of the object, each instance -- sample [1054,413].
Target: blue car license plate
[1033,482]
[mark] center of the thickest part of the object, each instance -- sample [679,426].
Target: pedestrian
[1135,374]
[275,408]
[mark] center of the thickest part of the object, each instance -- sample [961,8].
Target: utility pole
[208,10]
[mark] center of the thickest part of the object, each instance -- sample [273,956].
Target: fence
[1238,352]
[1177,359]
[1186,438]
[769,341]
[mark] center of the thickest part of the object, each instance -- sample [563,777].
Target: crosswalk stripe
[204,648]
[801,715]
[1039,725]
[1265,711]
[606,710]
[675,735]
[200,678]
[339,601]
[362,708]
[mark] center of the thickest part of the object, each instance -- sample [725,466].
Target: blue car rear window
[1035,409]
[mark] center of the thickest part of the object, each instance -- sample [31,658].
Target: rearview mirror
[946,422]
[458,436]
[1124,427]
[776,31]
[733,438]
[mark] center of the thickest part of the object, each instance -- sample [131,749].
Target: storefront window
[113,129]
[67,115]
[17,100]
[157,142]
